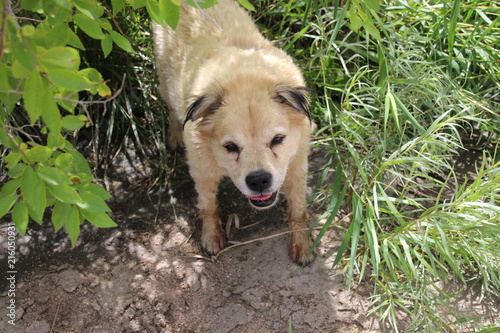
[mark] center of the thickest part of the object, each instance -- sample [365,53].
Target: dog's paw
[300,248]
[214,242]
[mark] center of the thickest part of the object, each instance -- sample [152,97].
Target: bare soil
[150,274]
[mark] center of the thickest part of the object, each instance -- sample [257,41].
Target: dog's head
[254,134]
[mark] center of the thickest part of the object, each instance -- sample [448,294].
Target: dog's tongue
[261,197]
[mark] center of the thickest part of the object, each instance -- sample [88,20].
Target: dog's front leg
[212,239]
[295,191]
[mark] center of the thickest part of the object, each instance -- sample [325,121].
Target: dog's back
[200,33]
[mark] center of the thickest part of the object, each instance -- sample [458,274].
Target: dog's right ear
[203,107]
[297,98]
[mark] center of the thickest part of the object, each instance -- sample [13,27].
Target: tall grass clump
[402,89]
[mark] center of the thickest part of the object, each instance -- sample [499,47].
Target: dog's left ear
[202,107]
[295,97]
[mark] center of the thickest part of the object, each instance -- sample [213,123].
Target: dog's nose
[259,181]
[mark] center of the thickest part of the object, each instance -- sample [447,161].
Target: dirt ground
[151,276]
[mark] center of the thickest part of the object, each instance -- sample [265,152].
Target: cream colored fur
[237,96]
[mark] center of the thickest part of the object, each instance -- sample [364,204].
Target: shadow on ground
[150,275]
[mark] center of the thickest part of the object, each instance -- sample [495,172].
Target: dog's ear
[295,97]
[202,107]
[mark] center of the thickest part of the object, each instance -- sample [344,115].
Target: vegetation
[402,89]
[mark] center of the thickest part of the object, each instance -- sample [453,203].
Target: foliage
[43,84]
[402,88]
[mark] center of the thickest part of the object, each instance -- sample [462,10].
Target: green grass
[400,90]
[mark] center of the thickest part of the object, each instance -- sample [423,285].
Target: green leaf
[101,220]
[372,4]
[20,217]
[372,30]
[6,203]
[93,203]
[153,9]
[104,22]
[89,7]
[33,5]
[80,164]
[19,70]
[72,223]
[10,187]
[169,12]
[64,162]
[57,11]
[117,5]
[12,159]
[24,60]
[208,3]
[53,176]
[121,41]
[69,80]
[357,217]
[17,171]
[92,75]
[6,140]
[59,214]
[96,190]
[52,36]
[247,5]
[34,91]
[38,154]
[34,194]
[4,78]
[50,115]
[8,99]
[355,20]
[73,122]
[452,27]
[74,40]
[64,193]
[89,26]
[106,45]
[61,57]
[55,140]
[136,4]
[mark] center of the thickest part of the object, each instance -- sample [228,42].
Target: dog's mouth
[263,201]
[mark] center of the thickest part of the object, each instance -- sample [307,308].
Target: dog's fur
[241,108]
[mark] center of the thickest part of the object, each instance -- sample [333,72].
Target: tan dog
[241,108]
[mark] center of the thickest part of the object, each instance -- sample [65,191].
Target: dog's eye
[231,147]
[277,140]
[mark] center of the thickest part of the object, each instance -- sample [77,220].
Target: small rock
[19,312]
[193,281]
[160,320]
[95,305]
[69,280]
[135,325]
[130,313]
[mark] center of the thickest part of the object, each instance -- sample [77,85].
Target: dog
[240,108]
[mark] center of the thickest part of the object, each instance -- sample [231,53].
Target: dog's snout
[259,181]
